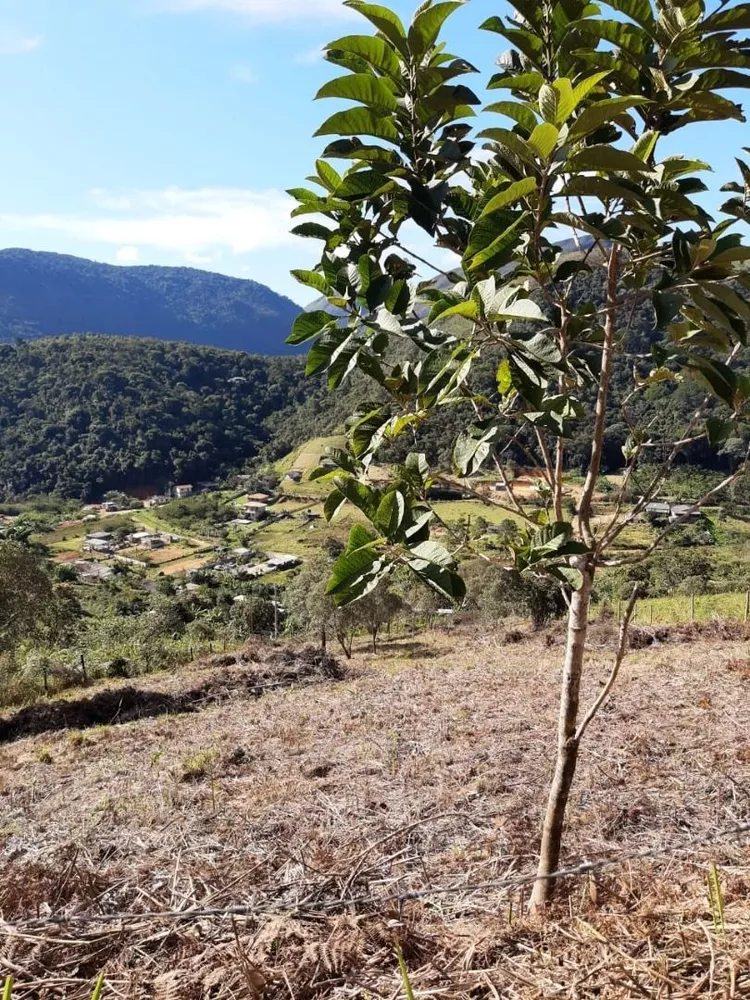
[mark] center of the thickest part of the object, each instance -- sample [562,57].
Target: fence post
[83,671]
[747,605]
[692,607]
[651,613]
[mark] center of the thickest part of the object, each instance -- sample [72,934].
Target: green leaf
[362,87]
[567,574]
[356,566]
[504,377]
[486,252]
[582,90]
[605,158]
[516,111]
[639,10]
[513,193]
[312,279]
[548,101]
[376,51]
[427,25]
[544,139]
[386,22]
[473,447]
[602,113]
[434,566]
[355,121]
[313,230]
[390,514]
[308,325]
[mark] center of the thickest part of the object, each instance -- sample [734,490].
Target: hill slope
[84,414]
[46,294]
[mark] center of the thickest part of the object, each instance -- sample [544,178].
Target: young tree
[576,145]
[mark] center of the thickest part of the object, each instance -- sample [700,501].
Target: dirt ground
[422,769]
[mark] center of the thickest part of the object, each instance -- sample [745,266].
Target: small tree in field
[588,94]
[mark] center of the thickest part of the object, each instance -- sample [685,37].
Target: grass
[679,610]
[427,766]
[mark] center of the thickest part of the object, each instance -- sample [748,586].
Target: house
[146,540]
[242,522]
[156,501]
[100,541]
[183,491]
[255,511]
[500,488]
[91,571]
[664,511]
[281,560]
[688,511]
[258,498]
[658,509]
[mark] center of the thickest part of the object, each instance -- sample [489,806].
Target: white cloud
[192,223]
[128,255]
[267,11]
[243,74]
[12,43]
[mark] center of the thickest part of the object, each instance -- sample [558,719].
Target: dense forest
[46,294]
[80,415]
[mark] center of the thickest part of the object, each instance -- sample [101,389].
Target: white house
[183,491]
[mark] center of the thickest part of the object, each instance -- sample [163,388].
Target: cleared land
[422,769]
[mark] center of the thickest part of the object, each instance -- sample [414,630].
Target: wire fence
[323,907]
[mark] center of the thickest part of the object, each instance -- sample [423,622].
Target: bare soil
[422,770]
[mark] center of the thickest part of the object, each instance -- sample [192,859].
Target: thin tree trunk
[567,745]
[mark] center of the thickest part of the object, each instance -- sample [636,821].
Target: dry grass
[423,768]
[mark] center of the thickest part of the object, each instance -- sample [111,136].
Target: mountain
[47,294]
[83,414]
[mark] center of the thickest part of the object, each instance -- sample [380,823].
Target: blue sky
[166,131]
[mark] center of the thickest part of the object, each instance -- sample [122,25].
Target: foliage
[585,132]
[83,415]
[46,294]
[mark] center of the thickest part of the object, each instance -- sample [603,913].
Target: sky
[167,131]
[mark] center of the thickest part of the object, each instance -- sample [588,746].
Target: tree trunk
[567,745]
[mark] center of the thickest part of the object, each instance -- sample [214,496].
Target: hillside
[80,415]
[317,804]
[46,294]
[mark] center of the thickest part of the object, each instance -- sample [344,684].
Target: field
[419,770]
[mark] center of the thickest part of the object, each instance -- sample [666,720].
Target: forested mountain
[46,294]
[84,414]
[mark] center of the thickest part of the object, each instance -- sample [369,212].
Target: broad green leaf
[592,118]
[386,22]
[582,90]
[719,430]
[313,279]
[356,121]
[375,51]
[497,250]
[548,101]
[544,139]
[313,230]
[333,504]
[427,25]
[390,513]
[434,566]
[605,158]
[362,87]
[640,11]
[512,194]
[518,112]
[308,325]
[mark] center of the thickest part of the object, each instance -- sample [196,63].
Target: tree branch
[619,657]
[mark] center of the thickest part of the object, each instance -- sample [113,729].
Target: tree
[588,95]
[311,609]
[26,596]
